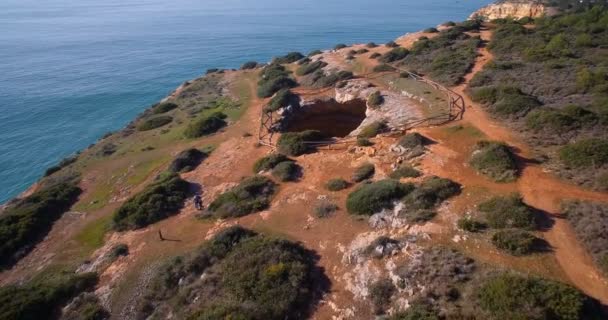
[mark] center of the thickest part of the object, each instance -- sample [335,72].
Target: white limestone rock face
[516,9]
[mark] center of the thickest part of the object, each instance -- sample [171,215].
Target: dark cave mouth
[331,118]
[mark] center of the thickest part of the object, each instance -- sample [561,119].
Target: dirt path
[545,192]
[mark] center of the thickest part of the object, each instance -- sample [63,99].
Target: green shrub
[383,67]
[505,100]
[417,311]
[340,46]
[375,55]
[85,306]
[363,172]
[164,107]
[314,53]
[495,160]
[206,125]
[380,293]
[508,212]
[589,220]
[321,80]
[251,195]
[418,216]
[431,30]
[268,162]
[62,164]
[273,78]
[336,184]
[119,250]
[470,225]
[361,51]
[280,100]
[391,44]
[187,160]
[552,120]
[371,45]
[325,209]
[405,171]
[373,197]
[585,153]
[42,299]
[431,192]
[25,223]
[515,242]
[516,297]
[413,140]
[364,142]
[294,143]
[310,67]
[375,99]
[291,57]
[372,129]
[154,122]
[159,200]
[249,65]
[286,171]
[395,54]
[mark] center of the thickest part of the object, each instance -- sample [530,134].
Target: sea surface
[72,70]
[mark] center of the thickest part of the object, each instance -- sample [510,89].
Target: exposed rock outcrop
[516,9]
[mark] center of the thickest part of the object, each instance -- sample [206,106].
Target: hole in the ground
[331,118]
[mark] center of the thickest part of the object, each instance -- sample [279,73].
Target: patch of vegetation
[336,184]
[325,209]
[364,142]
[247,276]
[187,160]
[381,292]
[119,250]
[319,79]
[391,44]
[470,225]
[375,55]
[505,101]
[86,306]
[417,311]
[310,67]
[508,296]
[383,67]
[371,45]
[42,298]
[294,143]
[268,162]
[251,195]
[314,53]
[206,125]
[340,46]
[159,200]
[249,65]
[62,164]
[273,78]
[373,129]
[164,107]
[590,223]
[508,212]
[413,140]
[430,193]
[370,198]
[291,57]
[515,242]
[585,153]
[363,172]
[25,223]
[375,100]
[431,30]
[154,122]
[281,99]
[495,160]
[405,171]
[395,54]
[286,171]
[418,216]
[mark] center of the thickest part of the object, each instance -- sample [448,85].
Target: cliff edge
[511,9]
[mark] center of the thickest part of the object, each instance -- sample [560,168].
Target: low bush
[363,172]
[505,100]
[418,216]
[340,46]
[62,164]
[550,120]
[249,65]
[206,125]
[164,107]
[471,225]
[325,209]
[380,293]
[273,78]
[514,241]
[314,53]
[405,171]
[321,80]
[413,140]
[154,122]
[85,306]
[251,195]
[119,250]
[286,171]
[361,51]
[281,99]
[364,142]
[373,197]
[590,223]
[383,67]
[375,55]
[159,200]
[187,160]
[42,299]
[430,193]
[26,222]
[375,99]
[585,153]
[431,30]
[372,129]
[336,184]
[391,44]
[495,160]
[268,162]
[507,296]
[395,54]
[508,212]
[310,67]
[371,45]
[294,143]
[291,57]
[417,311]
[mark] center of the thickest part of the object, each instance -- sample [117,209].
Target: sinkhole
[331,118]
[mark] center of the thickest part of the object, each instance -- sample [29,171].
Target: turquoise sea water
[71,71]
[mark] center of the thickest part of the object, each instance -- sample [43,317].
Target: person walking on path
[198,202]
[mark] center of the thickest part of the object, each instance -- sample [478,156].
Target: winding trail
[543,191]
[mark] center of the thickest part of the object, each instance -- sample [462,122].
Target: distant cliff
[511,8]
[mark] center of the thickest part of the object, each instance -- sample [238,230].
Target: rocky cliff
[511,8]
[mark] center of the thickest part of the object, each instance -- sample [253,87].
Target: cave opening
[331,118]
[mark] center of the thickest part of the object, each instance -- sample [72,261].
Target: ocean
[71,71]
